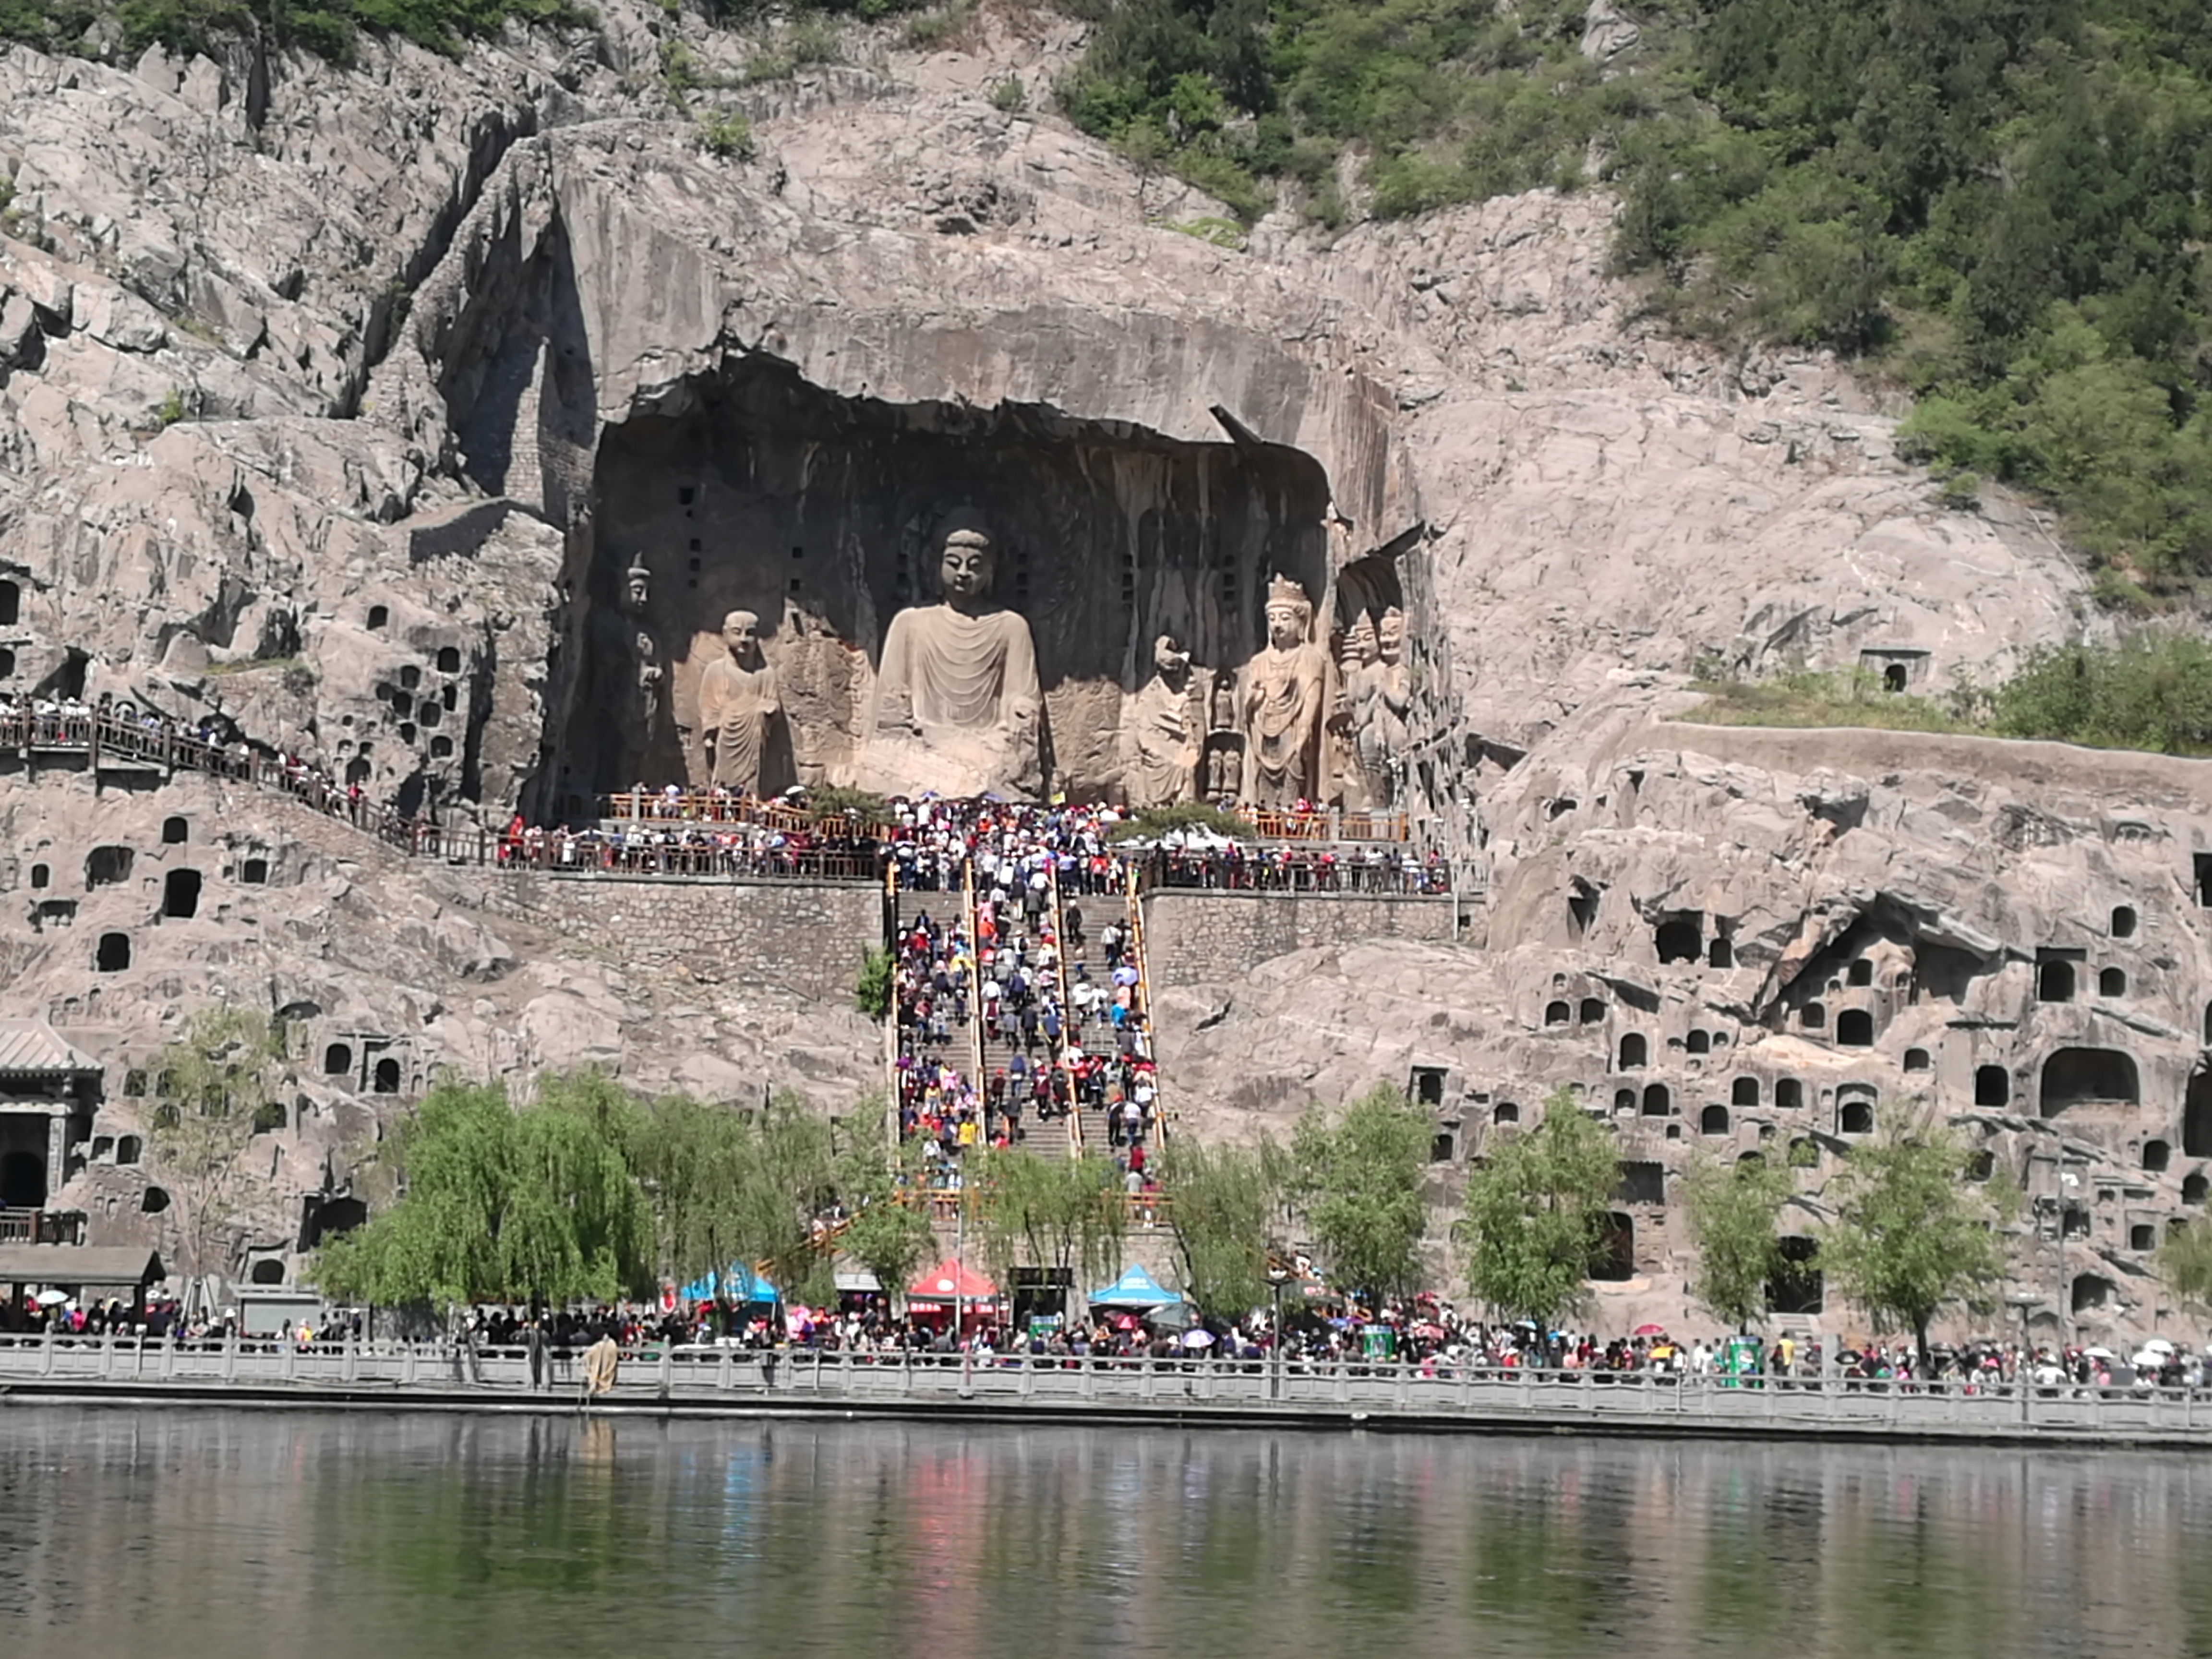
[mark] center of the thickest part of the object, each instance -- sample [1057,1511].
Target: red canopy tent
[951,1283]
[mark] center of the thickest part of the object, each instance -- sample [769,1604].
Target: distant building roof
[30,1048]
[81,1265]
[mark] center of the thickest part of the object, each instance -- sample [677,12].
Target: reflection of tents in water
[740,1285]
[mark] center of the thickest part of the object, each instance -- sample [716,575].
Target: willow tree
[887,1228]
[1537,1210]
[1068,1215]
[498,1205]
[1223,1212]
[732,1186]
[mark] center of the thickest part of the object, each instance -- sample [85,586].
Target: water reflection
[188,1534]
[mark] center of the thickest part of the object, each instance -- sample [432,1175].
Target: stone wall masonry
[1194,938]
[803,937]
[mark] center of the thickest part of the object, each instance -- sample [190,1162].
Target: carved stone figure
[1392,695]
[738,702]
[1222,715]
[1160,739]
[1283,701]
[1357,780]
[628,672]
[957,700]
[637,593]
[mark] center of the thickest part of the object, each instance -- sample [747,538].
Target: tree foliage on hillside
[1735,1212]
[2008,200]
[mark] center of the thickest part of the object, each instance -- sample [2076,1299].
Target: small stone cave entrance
[822,515]
[1798,1287]
[2089,1077]
[1614,1259]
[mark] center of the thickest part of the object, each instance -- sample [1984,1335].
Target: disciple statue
[957,701]
[737,704]
[1283,701]
[1159,735]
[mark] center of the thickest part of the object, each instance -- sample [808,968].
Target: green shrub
[728,135]
[1010,95]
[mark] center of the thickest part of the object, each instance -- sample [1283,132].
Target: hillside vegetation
[2003,203]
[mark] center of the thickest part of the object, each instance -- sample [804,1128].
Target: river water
[179,1533]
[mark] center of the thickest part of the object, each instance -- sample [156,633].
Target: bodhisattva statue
[1283,701]
[957,700]
[738,703]
[637,593]
[1160,739]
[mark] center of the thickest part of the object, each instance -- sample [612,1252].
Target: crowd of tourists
[1054,1012]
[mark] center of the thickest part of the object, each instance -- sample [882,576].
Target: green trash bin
[1739,1363]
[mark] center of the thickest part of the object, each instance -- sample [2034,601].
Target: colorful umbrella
[1648,1330]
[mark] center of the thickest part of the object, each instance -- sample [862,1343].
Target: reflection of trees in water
[356,1536]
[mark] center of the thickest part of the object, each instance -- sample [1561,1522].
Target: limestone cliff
[348,404]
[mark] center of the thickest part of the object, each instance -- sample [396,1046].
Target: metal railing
[1287,870]
[1432,1391]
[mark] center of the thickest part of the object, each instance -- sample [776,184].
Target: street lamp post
[1277,1276]
[2023,1373]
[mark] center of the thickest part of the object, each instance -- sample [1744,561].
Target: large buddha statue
[738,703]
[957,701]
[1283,701]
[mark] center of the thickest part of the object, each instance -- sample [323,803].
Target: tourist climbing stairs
[995,1050]
[1141,1004]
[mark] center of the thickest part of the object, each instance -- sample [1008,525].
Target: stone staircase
[995,1051]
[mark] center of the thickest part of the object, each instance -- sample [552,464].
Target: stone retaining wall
[1193,936]
[804,937]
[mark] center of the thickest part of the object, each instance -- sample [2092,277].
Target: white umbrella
[2158,1345]
[2098,1353]
[1198,1338]
[52,1298]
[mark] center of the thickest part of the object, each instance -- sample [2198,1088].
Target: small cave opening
[108,867]
[180,894]
[1635,1052]
[2089,1077]
[1744,1091]
[1505,1112]
[1555,1013]
[1680,938]
[1713,1121]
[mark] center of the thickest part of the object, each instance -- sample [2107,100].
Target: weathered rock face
[428,420]
[1736,942]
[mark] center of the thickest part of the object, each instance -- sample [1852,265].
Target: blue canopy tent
[740,1285]
[1135,1288]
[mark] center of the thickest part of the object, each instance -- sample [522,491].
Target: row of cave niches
[412,713]
[111,866]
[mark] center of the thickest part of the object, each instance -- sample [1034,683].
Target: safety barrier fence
[704,1373]
[695,834]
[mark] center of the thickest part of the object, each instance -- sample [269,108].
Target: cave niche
[822,515]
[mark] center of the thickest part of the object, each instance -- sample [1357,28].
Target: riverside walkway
[711,1381]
